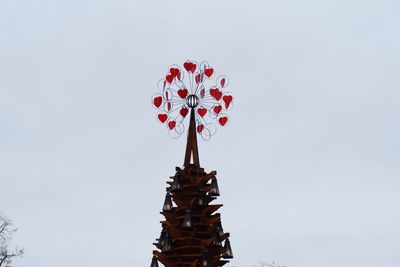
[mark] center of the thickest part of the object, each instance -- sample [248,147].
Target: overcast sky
[308,167]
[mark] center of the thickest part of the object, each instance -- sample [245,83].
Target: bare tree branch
[6,254]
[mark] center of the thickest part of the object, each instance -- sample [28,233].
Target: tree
[6,253]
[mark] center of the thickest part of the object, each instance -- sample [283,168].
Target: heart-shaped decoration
[217,94]
[157,101]
[222,82]
[170,78]
[223,120]
[168,106]
[200,128]
[166,94]
[217,109]
[189,66]
[198,78]
[171,124]
[227,100]
[174,71]
[202,111]
[208,72]
[202,92]
[194,66]
[162,117]
[212,91]
[183,92]
[184,111]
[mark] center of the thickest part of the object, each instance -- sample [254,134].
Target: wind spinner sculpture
[192,233]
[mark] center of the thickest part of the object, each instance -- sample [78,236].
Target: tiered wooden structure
[192,234]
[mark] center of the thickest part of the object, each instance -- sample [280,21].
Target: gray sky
[311,156]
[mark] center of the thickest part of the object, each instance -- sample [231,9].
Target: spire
[191,145]
[192,234]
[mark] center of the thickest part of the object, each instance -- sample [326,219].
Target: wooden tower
[192,234]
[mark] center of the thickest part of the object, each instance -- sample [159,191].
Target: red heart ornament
[217,109]
[222,82]
[202,111]
[157,101]
[174,72]
[194,66]
[168,106]
[171,124]
[223,120]
[167,95]
[217,94]
[198,78]
[227,100]
[200,128]
[162,117]
[202,93]
[212,91]
[184,111]
[183,92]
[170,78]
[209,72]
[189,66]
